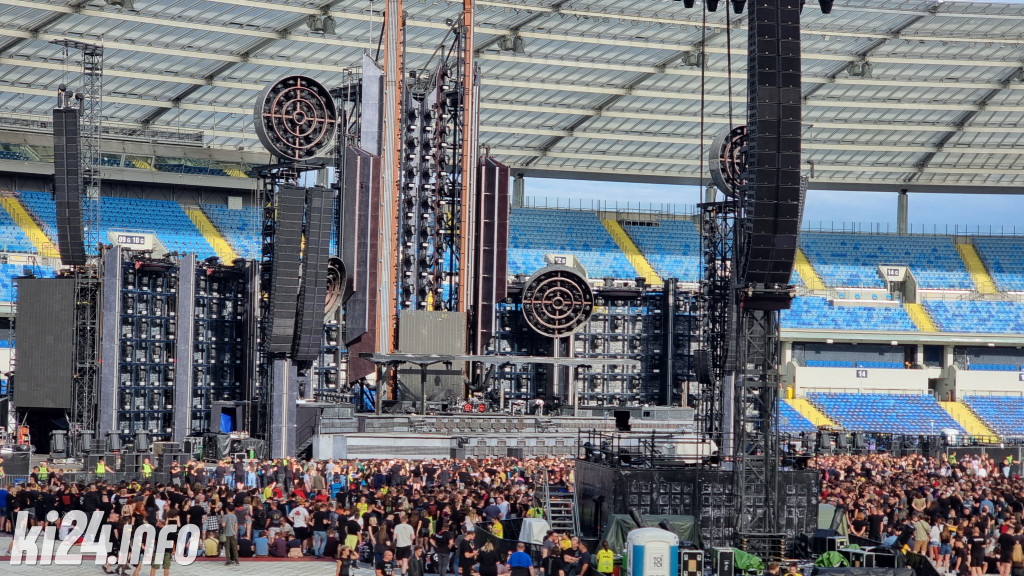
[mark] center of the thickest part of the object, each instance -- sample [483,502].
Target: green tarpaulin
[619,525]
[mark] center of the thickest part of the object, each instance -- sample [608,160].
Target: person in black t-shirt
[386,566]
[467,554]
[442,542]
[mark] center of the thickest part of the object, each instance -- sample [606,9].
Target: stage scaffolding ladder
[560,509]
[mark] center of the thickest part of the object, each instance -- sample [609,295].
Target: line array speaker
[773,156]
[67,176]
[309,326]
[491,248]
[284,283]
[362,210]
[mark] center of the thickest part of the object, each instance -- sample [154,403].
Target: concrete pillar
[919,356]
[947,356]
[901,212]
[518,191]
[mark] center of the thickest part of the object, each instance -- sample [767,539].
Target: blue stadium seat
[165,218]
[885,413]
[1003,414]
[995,367]
[793,422]
[241,228]
[812,312]
[12,237]
[1002,258]
[977,316]
[852,260]
[534,232]
[9,271]
[672,247]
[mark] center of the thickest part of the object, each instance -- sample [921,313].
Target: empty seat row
[885,413]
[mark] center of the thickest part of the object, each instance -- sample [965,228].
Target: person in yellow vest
[535,512]
[44,474]
[147,469]
[101,469]
[605,559]
[497,529]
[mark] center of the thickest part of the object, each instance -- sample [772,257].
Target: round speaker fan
[557,301]
[296,118]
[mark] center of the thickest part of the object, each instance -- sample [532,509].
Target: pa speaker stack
[773,156]
[67,175]
[309,326]
[284,282]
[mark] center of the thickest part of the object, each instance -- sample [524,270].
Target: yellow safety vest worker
[44,473]
[147,470]
[497,529]
[605,561]
[101,468]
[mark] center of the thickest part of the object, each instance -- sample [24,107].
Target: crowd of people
[401,516]
[966,515]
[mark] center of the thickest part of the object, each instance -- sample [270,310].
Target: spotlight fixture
[738,5]
[826,6]
[512,43]
[330,26]
[323,23]
[712,5]
[123,4]
[687,3]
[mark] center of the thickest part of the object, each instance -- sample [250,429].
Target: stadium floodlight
[123,4]
[826,6]
[688,3]
[737,6]
[712,5]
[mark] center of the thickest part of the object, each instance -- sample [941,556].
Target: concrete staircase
[807,273]
[811,412]
[220,245]
[976,268]
[633,254]
[29,225]
[966,417]
[920,317]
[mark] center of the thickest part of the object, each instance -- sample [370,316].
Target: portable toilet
[651,552]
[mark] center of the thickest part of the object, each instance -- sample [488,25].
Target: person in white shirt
[299,517]
[404,534]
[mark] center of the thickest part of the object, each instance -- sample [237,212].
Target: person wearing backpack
[1017,556]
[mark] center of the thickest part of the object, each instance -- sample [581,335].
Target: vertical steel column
[386,309]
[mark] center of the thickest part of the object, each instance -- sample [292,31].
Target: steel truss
[85,381]
[432,195]
[716,313]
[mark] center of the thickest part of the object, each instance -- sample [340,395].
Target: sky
[824,208]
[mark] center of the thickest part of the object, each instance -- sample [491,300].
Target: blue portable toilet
[651,552]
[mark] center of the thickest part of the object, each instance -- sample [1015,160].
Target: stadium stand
[239,227]
[852,260]
[885,413]
[1002,258]
[534,232]
[813,312]
[12,155]
[10,271]
[793,422]
[1003,414]
[164,218]
[671,246]
[977,316]
[12,237]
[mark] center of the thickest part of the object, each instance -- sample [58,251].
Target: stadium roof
[924,95]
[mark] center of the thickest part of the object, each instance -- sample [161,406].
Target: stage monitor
[44,343]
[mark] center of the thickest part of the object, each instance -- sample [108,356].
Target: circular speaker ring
[727,160]
[557,301]
[296,118]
